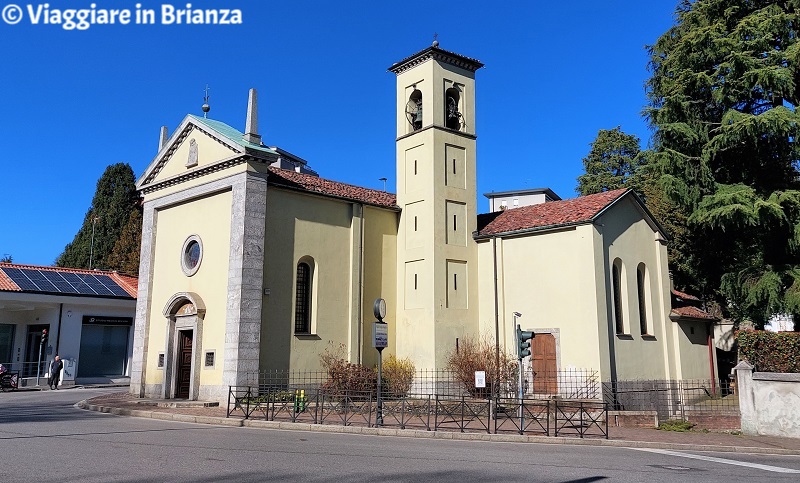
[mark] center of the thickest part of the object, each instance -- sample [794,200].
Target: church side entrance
[543,360]
[184,369]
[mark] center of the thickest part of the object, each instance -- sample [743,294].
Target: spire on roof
[251,125]
[162,139]
[206,107]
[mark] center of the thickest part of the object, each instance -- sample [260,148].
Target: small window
[302,314]
[209,359]
[454,166]
[455,226]
[455,281]
[415,281]
[415,167]
[617,289]
[160,360]
[415,223]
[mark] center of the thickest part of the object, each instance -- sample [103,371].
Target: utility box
[68,372]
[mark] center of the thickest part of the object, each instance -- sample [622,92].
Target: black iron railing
[431,412]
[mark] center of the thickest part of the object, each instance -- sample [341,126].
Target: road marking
[775,469]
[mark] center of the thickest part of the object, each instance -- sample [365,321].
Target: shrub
[676,425]
[770,351]
[346,377]
[398,375]
[478,354]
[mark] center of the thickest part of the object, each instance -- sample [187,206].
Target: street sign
[480,378]
[380,335]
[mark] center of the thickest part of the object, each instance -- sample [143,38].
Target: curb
[415,433]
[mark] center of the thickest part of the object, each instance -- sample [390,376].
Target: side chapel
[251,261]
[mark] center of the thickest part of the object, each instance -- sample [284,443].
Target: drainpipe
[58,337]
[496,320]
[360,282]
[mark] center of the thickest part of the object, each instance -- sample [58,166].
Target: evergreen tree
[124,257]
[723,97]
[612,163]
[6,258]
[113,202]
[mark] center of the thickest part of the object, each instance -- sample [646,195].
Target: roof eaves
[649,218]
[304,190]
[525,231]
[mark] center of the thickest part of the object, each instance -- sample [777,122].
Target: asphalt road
[44,438]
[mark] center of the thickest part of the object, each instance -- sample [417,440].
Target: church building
[252,262]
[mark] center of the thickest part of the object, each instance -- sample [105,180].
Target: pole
[379,413]
[91,247]
[39,361]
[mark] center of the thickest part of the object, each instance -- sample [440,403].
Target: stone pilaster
[141,328]
[744,388]
[245,281]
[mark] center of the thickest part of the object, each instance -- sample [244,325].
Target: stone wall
[769,402]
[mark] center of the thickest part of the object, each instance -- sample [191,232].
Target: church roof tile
[304,182]
[545,215]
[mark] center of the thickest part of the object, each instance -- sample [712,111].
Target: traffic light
[44,337]
[524,342]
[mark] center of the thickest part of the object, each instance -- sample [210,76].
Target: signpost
[380,339]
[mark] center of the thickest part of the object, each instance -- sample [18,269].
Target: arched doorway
[184,312]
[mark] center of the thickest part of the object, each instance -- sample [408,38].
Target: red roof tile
[552,213]
[6,283]
[684,296]
[690,312]
[128,283]
[285,178]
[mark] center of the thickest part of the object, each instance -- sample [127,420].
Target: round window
[191,255]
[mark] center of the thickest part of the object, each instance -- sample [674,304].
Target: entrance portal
[184,369]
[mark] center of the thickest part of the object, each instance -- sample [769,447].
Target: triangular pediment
[199,146]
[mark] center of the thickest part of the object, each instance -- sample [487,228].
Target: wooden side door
[184,370]
[543,360]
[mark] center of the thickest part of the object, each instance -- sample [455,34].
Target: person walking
[55,372]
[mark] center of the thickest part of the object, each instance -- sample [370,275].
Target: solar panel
[39,279]
[111,285]
[62,282]
[56,279]
[98,286]
[18,277]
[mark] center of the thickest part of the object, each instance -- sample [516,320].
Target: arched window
[617,288]
[302,307]
[640,286]
[452,116]
[414,110]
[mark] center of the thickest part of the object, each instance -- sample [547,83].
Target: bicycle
[9,381]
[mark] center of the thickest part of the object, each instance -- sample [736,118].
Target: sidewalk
[122,403]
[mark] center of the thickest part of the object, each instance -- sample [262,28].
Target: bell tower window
[452,113]
[414,110]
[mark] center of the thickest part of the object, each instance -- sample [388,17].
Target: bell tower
[436,188]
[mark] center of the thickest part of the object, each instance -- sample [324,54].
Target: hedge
[770,351]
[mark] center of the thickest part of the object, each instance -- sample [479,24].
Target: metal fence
[433,401]
[673,399]
[565,384]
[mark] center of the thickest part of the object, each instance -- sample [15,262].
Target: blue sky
[76,101]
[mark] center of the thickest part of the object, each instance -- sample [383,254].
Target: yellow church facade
[252,262]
